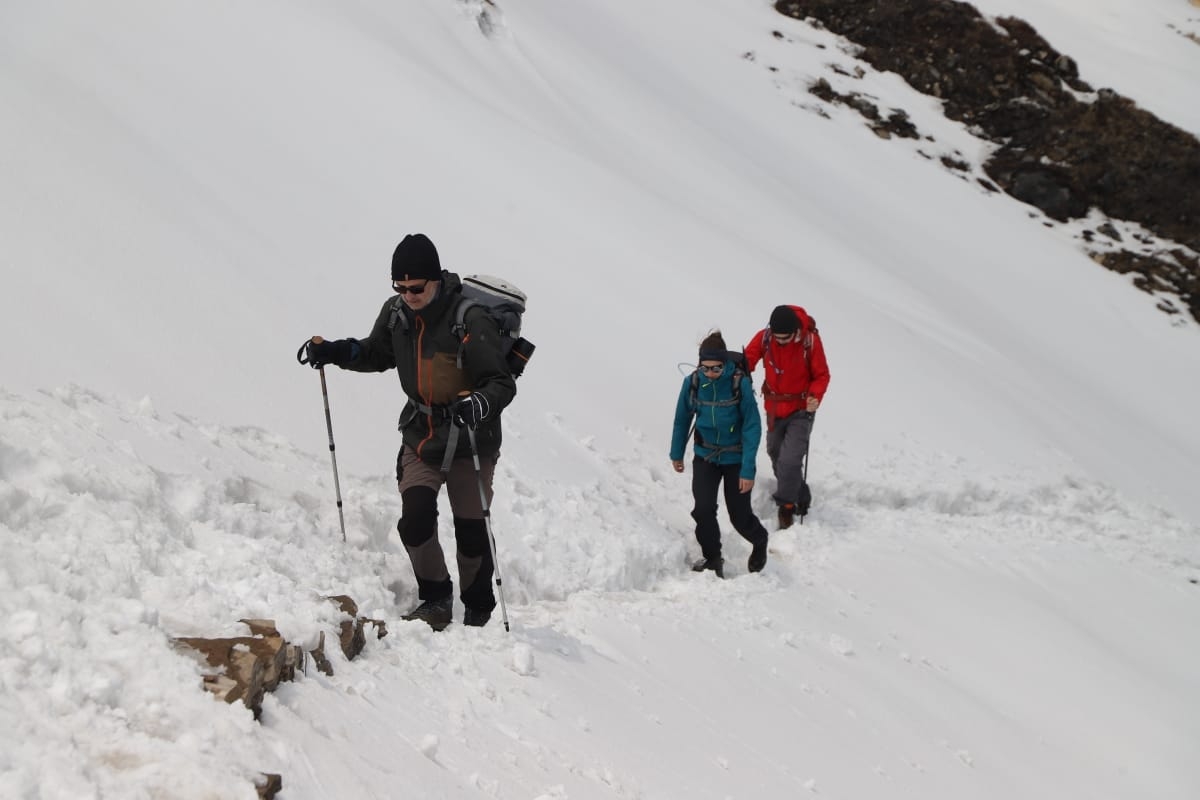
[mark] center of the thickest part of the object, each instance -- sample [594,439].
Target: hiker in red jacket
[796,377]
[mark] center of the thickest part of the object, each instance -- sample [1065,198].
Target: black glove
[338,353]
[471,410]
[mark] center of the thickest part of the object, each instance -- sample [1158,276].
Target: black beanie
[713,348]
[783,320]
[416,259]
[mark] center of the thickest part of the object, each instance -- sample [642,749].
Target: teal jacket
[729,432]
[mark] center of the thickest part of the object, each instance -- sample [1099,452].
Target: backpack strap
[714,451]
[807,341]
[767,361]
[459,326]
[397,316]
[694,393]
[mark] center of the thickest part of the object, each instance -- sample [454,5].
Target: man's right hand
[321,352]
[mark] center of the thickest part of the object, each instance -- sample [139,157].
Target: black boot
[717,565]
[758,557]
[436,613]
[476,617]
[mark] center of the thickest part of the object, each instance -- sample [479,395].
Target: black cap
[713,348]
[416,259]
[783,320]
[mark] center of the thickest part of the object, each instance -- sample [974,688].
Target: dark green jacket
[424,354]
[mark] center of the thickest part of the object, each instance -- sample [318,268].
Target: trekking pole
[337,486]
[487,518]
[812,415]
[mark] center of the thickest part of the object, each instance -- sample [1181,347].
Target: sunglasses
[402,289]
[716,369]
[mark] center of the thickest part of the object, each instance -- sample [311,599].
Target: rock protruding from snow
[247,667]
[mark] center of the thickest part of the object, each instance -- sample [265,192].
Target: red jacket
[794,371]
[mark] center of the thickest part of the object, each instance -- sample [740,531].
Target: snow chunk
[841,645]
[522,662]
[429,746]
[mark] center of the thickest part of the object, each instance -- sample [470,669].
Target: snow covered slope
[994,595]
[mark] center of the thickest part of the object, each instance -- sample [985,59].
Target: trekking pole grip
[302,353]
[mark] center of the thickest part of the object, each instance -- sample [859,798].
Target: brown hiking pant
[419,485]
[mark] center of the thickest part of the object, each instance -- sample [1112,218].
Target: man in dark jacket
[453,379]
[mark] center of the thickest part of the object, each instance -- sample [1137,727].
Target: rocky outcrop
[1062,146]
[351,631]
[245,668]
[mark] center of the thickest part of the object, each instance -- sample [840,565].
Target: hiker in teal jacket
[727,433]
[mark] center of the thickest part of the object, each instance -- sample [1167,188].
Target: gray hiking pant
[787,446]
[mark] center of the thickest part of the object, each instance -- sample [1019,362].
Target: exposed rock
[247,667]
[1063,147]
[1048,188]
[1159,273]
[896,123]
[351,634]
[319,657]
[268,785]
[956,164]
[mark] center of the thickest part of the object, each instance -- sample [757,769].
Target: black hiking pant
[706,481]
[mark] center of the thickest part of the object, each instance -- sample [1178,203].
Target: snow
[995,595]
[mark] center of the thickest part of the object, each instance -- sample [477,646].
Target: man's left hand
[470,410]
[812,404]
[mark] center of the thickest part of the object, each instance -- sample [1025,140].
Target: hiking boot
[758,557]
[476,617]
[717,565]
[787,515]
[436,613]
[804,501]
